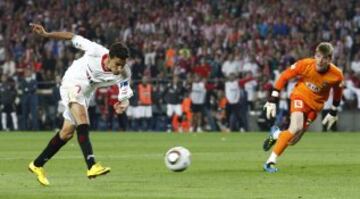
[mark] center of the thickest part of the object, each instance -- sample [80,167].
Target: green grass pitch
[224,166]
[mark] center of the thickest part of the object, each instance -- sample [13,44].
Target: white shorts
[73,94]
[130,111]
[173,108]
[143,112]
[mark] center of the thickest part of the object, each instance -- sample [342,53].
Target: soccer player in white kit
[98,67]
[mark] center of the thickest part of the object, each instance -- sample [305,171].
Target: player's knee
[66,134]
[82,132]
[294,129]
[79,112]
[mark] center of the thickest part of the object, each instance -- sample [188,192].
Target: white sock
[276,134]
[4,121]
[15,121]
[272,158]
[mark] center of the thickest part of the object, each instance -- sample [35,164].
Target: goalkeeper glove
[270,105]
[330,118]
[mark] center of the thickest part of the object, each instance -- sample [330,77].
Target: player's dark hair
[325,48]
[119,50]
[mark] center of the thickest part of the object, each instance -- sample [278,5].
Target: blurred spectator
[210,107]
[250,65]
[101,108]
[197,96]
[250,85]
[173,96]
[145,104]
[121,119]
[186,118]
[221,115]
[29,101]
[159,120]
[59,107]
[236,97]
[8,96]
[8,66]
[355,63]
[230,66]
[203,69]
[131,111]
[2,49]
[352,90]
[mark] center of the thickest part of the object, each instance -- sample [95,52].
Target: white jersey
[232,91]
[87,73]
[250,88]
[198,93]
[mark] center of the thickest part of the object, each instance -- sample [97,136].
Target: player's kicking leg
[296,126]
[79,112]
[55,144]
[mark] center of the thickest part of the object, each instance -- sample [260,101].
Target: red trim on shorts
[104,57]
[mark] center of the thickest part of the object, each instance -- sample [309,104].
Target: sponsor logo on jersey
[312,87]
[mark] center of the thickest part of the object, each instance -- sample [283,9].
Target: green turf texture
[322,165]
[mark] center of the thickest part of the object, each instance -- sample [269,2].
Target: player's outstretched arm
[288,74]
[40,30]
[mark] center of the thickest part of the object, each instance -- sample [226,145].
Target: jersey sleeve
[338,88]
[125,91]
[88,46]
[293,71]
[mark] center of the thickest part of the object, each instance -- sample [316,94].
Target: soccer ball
[178,159]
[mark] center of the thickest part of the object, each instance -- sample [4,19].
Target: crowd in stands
[197,65]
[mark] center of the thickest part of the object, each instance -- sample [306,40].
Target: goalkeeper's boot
[270,140]
[40,174]
[97,170]
[270,167]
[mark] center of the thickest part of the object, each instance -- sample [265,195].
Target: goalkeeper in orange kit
[316,76]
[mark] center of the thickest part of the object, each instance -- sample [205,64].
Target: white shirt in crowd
[149,58]
[9,68]
[250,67]
[2,52]
[198,93]
[230,67]
[250,88]
[355,66]
[232,91]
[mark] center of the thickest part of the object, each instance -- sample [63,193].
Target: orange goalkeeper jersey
[312,87]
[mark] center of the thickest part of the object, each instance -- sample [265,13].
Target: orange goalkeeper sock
[282,142]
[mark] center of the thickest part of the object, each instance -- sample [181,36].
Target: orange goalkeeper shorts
[298,105]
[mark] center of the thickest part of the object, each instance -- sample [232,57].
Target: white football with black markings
[178,159]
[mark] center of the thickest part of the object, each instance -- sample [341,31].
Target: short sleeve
[88,46]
